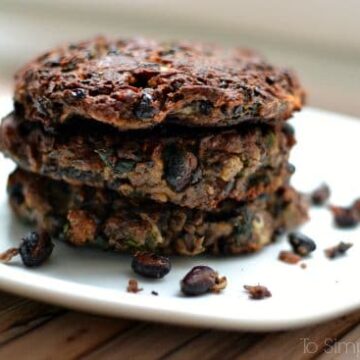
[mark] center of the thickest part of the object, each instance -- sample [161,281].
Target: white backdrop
[320,38]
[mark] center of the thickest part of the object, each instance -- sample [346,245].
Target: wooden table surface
[32,330]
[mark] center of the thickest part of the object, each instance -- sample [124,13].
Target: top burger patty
[137,83]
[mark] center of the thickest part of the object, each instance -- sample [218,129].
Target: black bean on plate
[201,280]
[150,265]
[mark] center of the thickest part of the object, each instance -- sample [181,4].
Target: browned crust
[137,83]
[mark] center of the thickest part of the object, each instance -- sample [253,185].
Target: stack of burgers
[170,147]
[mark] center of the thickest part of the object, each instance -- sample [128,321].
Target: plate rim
[146,312]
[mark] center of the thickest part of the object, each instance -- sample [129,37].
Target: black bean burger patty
[138,83]
[195,169]
[86,216]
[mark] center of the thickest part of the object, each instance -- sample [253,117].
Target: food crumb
[289,257]
[220,284]
[345,217]
[257,292]
[7,255]
[303,265]
[133,287]
[155,293]
[337,250]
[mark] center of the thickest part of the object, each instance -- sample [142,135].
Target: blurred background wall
[319,38]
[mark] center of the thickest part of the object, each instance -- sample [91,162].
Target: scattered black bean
[35,248]
[144,109]
[344,217]
[196,176]
[224,84]
[288,129]
[320,195]
[78,94]
[53,62]
[155,293]
[133,287]
[70,66]
[150,265]
[237,110]
[291,168]
[179,166]
[16,193]
[42,104]
[301,244]
[202,279]
[177,84]
[270,80]
[124,166]
[338,250]
[205,107]
[257,292]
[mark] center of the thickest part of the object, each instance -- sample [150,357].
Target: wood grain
[290,345]
[280,345]
[344,348]
[148,341]
[18,316]
[31,330]
[215,345]
[66,337]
